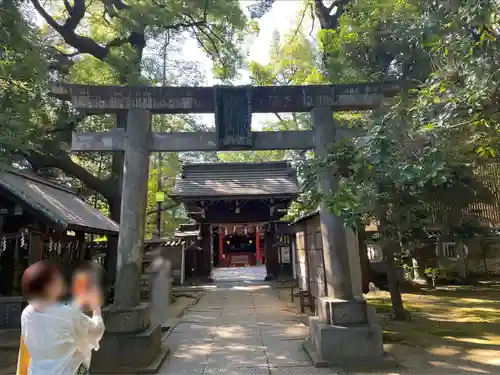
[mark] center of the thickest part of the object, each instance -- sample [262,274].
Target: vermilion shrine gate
[342,331]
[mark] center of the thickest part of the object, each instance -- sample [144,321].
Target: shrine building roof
[58,204]
[236,180]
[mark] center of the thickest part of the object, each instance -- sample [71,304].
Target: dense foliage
[414,164]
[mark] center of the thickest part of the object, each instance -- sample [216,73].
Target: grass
[461,314]
[459,323]
[453,330]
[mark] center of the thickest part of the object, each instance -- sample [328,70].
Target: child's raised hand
[94,298]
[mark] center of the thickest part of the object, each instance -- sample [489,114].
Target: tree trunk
[389,248]
[486,271]
[393,281]
[365,262]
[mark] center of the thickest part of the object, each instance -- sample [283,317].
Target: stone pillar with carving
[343,332]
[131,343]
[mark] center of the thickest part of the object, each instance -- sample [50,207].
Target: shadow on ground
[453,329]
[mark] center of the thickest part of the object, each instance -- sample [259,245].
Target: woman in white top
[59,337]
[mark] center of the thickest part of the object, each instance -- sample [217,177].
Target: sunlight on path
[238,330]
[256,273]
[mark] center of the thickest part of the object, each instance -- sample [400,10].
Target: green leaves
[23,72]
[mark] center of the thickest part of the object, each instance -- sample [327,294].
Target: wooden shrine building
[40,219]
[238,207]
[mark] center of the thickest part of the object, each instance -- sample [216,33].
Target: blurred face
[55,290]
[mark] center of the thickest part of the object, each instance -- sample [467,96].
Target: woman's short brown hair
[37,277]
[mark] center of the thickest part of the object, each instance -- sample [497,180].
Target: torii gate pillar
[131,340]
[344,332]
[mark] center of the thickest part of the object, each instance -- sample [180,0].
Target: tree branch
[68,6]
[279,117]
[81,43]
[297,30]
[313,23]
[47,17]
[87,45]
[327,20]
[111,7]
[76,14]
[64,162]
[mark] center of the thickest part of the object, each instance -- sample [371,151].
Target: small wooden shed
[40,219]
[310,262]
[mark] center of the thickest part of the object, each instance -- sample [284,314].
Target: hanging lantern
[58,247]
[160,196]
[246,230]
[51,244]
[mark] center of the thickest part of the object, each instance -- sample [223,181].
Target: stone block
[341,312]
[132,319]
[352,347]
[371,315]
[160,293]
[126,353]
[363,341]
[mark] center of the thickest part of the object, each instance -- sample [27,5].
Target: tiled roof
[305,216]
[57,204]
[227,180]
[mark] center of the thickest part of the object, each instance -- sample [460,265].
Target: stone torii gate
[233,108]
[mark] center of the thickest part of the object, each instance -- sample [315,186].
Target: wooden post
[221,248]
[183,264]
[258,254]
[271,253]
[35,252]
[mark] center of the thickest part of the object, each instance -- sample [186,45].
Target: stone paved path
[255,273]
[239,328]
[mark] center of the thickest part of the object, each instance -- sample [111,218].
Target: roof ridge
[256,164]
[240,166]
[33,177]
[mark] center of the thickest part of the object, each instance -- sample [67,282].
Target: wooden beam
[198,141]
[264,99]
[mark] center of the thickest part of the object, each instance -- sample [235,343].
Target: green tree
[24,66]
[390,172]
[107,41]
[459,101]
